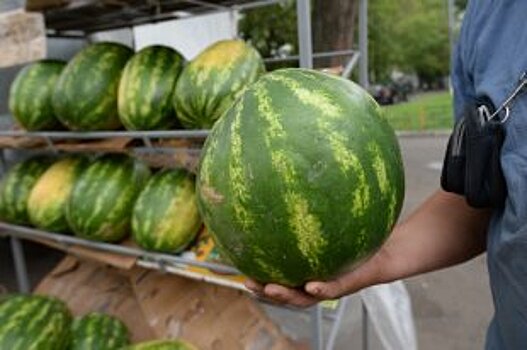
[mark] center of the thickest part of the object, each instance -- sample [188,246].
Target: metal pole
[451,23]
[363,44]
[316,331]
[365,330]
[305,43]
[20,265]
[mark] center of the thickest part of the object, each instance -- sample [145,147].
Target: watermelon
[85,97]
[101,201]
[211,82]
[96,331]
[162,345]
[147,86]
[16,187]
[46,205]
[30,95]
[165,216]
[301,178]
[34,323]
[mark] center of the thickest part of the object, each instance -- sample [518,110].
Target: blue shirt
[490,57]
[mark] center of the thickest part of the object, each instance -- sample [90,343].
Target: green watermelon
[212,81]
[96,331]
[100,204]
[46,205]
[301,178]
[85,97]
[30,95]
[165,216]
[162,345]
[16,187]
[147,86]
[34,323]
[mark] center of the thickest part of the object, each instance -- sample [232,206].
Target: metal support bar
[363,44]
[305,43]
[317,339]
[365,328]
[20,265]
[350,65]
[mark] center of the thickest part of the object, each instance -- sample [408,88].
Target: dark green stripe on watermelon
[301,178]
[147,86]
[162,345]
[34,322]
[97,331]
[212,81]
[31,92]
[165,216]
[16,187]
[101,202]
[85,97]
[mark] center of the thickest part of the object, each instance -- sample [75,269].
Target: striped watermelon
[16,187]
[301,178]
[30,95]
[85,97]
[34,323]
[165,216]
[96,331]
[162,345]
[100,204]
[147,86]
[46,205]
[211,82]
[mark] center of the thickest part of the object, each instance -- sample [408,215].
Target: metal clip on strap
[506,105]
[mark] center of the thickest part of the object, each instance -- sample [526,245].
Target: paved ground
[452,308]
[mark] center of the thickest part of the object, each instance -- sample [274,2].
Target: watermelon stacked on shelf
[30,95]
[34,322]
[47,201]
[300,178]
[16,187]
[213,80]
[85,97]
[100,204]
[165,216]
[147,86]
[96,331]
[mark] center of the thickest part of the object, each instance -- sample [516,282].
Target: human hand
[365,275]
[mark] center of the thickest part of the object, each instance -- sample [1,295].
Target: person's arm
[442,232]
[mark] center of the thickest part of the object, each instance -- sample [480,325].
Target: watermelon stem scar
[211,195]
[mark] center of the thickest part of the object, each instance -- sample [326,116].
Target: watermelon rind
[98,331]
[162,345]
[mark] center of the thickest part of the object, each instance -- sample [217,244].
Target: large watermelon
[16,187]
[211,82]
[147,86]
[165,216]
[96,331]
[30,95]
[301,178]
[34,323]
[85,97]
[162,345]
[100,204]
[46,205]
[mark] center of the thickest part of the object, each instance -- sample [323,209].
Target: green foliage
[271,27]
[409,35]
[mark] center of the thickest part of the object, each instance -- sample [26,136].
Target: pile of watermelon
[103,199]
[42,322]
[106,86]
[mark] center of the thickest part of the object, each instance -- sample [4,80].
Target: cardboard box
[163,306]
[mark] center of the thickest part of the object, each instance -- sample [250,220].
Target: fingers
[280,294]
[326,290]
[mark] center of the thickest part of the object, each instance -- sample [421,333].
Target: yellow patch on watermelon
[260,259]
[380,168]
[240,194]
